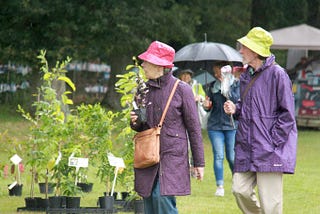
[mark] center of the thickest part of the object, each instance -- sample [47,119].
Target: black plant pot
[16,190]
[138,207]
[57,202]
[73,202]
[106,202]
[42,188]
[115,195]
[85,187]
[31,203]
[42,203]
[124,195]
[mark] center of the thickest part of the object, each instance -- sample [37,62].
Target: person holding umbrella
[266,139]
[221,129]
[160,183]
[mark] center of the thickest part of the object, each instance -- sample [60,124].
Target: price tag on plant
[115,161]
[78,162]
[12,185]
[15,159]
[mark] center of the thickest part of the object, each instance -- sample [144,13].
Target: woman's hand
[207,103]
[229,107]
[199,173]
[133,117]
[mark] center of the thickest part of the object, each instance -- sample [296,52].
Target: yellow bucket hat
[258,40]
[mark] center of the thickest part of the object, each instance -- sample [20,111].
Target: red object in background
[12,169]
[5,171]
[21,167]
[308,103]
[308,87]
[309,112]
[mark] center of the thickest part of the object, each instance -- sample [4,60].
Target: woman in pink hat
[159,184]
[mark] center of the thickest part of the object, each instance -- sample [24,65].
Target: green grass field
[301,190]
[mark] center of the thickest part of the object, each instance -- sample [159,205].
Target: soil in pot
[85,187]
[16,190]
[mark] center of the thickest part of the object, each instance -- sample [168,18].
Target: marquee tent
[302,36]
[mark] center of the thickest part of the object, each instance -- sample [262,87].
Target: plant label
[15,159]
[78,162]
[12,185]
[117,162]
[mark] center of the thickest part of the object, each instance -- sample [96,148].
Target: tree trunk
[112,98]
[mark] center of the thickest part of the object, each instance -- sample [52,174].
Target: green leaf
[68,81]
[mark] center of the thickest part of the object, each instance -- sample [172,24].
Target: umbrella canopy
[203,77]
[202,55]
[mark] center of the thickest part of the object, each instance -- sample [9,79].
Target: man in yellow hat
[266,138]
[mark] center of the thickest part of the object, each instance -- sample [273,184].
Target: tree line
[112,31]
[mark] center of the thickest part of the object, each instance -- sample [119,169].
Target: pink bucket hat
[159,53]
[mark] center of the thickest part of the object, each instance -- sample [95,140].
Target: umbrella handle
[232,121]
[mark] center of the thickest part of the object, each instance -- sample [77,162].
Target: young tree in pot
[129,85]
[48,120]
[14,168]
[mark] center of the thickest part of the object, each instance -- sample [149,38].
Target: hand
[229,107]
[199,173]
[197,98]
[207,104]
[133,117]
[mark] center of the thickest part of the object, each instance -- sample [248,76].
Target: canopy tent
[298,39]
[302,36]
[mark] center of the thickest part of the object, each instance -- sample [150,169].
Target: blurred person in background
[221,130]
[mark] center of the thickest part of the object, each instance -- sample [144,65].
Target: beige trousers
[269,186]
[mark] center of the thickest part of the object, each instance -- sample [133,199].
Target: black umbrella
[202,55]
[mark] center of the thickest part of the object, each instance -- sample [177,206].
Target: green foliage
[86,131]
[129,83]
[48,132]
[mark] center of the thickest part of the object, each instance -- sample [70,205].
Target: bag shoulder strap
[168,103]
[250,84]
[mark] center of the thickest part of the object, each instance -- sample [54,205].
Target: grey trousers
[270,191]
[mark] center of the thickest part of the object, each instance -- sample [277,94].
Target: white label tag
[78,162]
[15,159]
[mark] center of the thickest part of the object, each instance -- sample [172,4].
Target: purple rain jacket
[181,122]
[266,138]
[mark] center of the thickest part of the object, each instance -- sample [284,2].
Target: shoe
[220,192]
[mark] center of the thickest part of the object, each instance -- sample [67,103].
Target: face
[248,56]
[152,71]
[217,72]
[186,77]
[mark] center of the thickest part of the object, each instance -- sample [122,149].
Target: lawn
[301,190]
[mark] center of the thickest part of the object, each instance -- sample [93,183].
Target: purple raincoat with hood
[181,122]
[266,139]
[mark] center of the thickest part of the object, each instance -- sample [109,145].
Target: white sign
[114,161]
[12,185]
[15,159]
[78,162]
